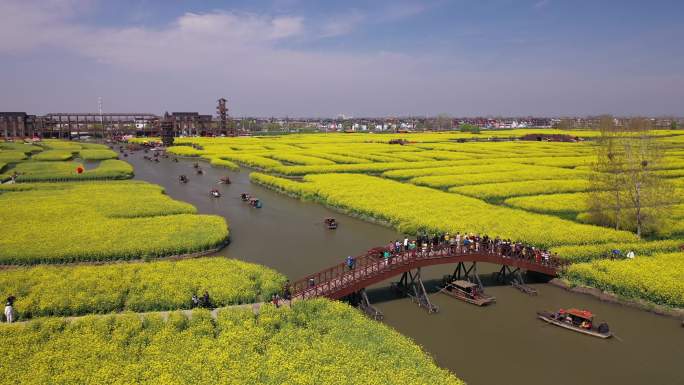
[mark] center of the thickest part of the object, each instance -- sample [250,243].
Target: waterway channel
[499,344]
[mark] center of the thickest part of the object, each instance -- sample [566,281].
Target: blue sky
[323,58]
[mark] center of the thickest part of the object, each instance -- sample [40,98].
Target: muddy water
[500,344]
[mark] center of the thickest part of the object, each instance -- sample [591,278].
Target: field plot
[159,285]
[658,278]
[67,222]
[315,342]
[57,161]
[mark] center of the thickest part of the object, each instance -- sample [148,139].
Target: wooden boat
[573,319]
[215,193]
[467,292]
[255,202]
[331,223]
[183,179]
[245,197]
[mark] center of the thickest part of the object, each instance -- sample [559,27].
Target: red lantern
[79,170]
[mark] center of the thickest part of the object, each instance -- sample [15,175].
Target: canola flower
[295,158]
[21,147]
[585,253]
[658,278]
[50,155]
[552,203]
[532,191]
[100,221]
[314,342]
[9,156]
[141,287]
[411,208]
[184,151]
[97,154]
[524,173]
[219,162]
[35,171]
[499,191]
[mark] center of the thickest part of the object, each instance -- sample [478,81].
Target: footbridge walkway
[341,280]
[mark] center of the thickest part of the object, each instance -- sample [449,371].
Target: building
[13,124]
[192,123]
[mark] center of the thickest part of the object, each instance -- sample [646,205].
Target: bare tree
[627,191]
[649,194]
[607,180]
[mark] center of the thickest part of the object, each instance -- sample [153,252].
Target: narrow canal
[499,344]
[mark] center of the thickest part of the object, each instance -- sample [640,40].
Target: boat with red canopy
[581,321]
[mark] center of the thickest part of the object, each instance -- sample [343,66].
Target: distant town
[68,125]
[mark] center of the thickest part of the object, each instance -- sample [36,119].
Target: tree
[649,194]
[673,125]
[627,193]
[566,124]
[606,197]
[465,127]
[443,122]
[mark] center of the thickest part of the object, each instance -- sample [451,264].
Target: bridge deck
[339,281]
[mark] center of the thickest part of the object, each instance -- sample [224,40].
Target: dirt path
[165,314]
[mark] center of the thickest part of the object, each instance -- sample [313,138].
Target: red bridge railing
[339,280]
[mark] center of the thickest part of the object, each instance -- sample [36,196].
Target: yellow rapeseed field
[314,342]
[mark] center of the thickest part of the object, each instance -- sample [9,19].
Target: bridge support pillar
[411,285]
[360,300]
[514,276]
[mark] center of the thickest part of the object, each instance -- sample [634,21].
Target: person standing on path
[9,309]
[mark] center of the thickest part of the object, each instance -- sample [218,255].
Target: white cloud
[248,58]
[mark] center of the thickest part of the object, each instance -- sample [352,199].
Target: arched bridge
[340,281]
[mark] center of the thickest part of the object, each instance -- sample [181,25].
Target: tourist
[312,282]
[350,262]
[616,254]
[406,243]
[206,301]
[386,256]
[287,291]
[9,310]
[195,301]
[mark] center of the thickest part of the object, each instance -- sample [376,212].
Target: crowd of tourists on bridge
[466,243]
[445,244]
